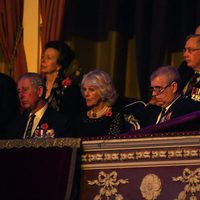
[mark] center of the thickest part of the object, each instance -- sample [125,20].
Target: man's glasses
[159,89]
[190,50]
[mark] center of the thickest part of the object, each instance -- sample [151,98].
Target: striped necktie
[30,126]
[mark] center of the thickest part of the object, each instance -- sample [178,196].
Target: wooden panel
[138,168]
[37,169]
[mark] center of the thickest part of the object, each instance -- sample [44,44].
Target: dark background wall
[158,27]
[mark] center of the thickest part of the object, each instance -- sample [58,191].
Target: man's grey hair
[36,80]
[170,72]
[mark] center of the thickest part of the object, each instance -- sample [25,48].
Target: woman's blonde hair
[104,84]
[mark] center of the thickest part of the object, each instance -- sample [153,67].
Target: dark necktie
[162,114]
[30,126]
[191,84]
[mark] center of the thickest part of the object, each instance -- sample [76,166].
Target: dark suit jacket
[54,119]
[196,97]
[186,73]
[9,102]
[180,107]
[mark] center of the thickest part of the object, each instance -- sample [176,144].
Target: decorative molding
[138,155]
[151,187]
[108,185]
[135,136]
[130,139]
[192,180]
[37,143]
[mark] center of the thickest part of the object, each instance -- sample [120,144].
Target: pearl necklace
[97,114]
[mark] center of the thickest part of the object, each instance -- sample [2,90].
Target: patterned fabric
[105,125]
[132,121]
[56,93]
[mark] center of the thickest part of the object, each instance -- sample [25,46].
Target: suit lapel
[22,122]
[174,108]
[46,118]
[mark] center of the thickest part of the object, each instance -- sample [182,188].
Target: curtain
[52,12]
[11,36]
[160,30]
[111,30]
[100,32]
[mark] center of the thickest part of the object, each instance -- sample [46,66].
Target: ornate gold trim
[138,155]
[140,164]
[108,185]
[44,143]
[151,187]
[192,181]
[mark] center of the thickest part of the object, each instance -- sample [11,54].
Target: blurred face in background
[192,53]
[49,63]
[197,31]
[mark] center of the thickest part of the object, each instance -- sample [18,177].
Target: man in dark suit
[9,102]
[191,54]
[186,72]
[170,102]
[38,120]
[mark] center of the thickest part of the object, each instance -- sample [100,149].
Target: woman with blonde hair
[104,116]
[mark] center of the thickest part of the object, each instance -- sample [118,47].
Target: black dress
[66,97]
[112,123]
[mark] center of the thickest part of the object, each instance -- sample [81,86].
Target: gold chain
[94,115]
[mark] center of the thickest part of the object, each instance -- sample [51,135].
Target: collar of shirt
[38,116]
[167,108]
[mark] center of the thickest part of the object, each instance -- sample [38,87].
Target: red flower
[67,82]
[45,126]
[109,114]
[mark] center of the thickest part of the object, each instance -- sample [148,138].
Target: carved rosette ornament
[108,183]
[192,180]
[150,187]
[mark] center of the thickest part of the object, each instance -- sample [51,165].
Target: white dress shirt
[38,116]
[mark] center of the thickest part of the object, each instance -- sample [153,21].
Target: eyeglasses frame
[190,50]
[160,90]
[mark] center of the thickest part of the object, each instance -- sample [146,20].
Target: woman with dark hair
[9,103]
[63,91]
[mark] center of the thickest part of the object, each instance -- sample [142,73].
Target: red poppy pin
[109,114]
[67,82]
[45,126]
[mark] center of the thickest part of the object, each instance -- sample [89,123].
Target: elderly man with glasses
[191,53]
[166,91]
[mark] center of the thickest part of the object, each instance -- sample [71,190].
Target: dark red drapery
[52,12]
[11,36]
